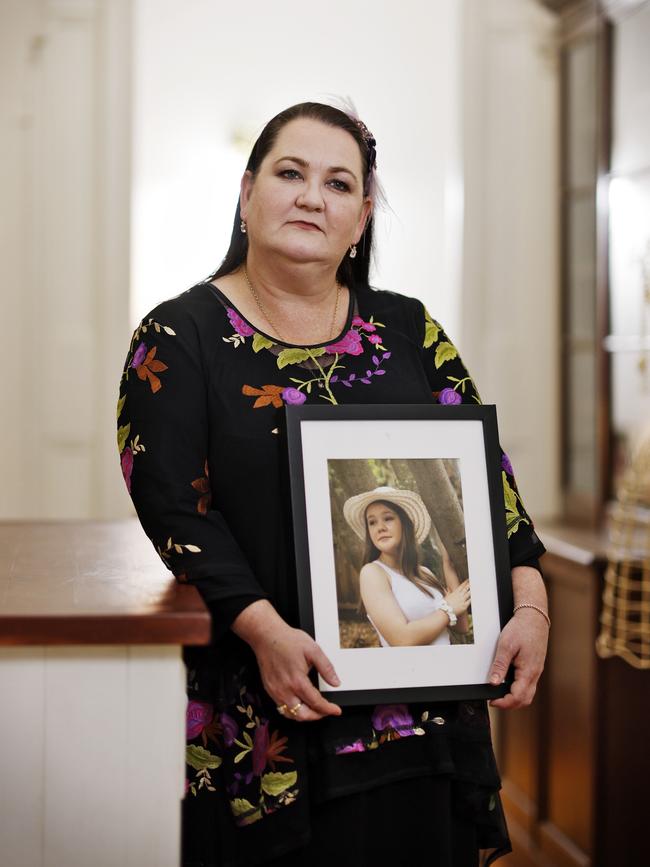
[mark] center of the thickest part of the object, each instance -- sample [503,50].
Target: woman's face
[306,203]
[384,528]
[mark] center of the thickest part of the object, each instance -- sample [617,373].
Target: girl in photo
[407,604]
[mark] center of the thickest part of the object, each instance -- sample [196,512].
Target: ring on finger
[294,710]
[281,709]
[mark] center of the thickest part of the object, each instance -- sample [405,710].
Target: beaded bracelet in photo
[536,607]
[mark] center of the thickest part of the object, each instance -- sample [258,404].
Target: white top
[415,603]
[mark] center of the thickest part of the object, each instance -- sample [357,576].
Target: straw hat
[354,510]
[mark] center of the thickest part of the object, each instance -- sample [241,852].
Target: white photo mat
[390,668]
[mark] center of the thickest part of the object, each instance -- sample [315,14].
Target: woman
[406,603]
[275,772]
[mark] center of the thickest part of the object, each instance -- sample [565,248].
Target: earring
[242,227]
[353,251]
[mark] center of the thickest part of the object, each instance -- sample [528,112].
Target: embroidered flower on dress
[293,397]
[356,747]
[349,344]
[241,327]
[149,367]
[199,714]
[365,326]
[202,485]
[230,729]
[126,460]
[506,465]
[395,716]
[267,394]
[448,396]
[139,354]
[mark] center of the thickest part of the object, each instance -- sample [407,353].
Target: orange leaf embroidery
[149,368]
[268,394]
[202,485]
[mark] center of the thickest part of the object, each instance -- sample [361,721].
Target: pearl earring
[353,251]
[242,227]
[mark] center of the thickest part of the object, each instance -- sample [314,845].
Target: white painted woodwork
[629,201]
[64,152]
[92,761]
[509,329]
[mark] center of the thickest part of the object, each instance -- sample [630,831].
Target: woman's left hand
[522,642]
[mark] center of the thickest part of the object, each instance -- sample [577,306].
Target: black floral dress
[200,434]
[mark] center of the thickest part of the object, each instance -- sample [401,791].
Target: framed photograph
[401,548]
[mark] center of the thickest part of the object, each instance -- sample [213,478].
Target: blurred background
[514,150]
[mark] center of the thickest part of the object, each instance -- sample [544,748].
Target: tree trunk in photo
[347,478]
[439,496]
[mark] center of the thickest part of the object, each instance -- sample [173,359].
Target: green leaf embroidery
[431,331]
[444,352]
[122,436]
[199,758]
[244,809]
[261,342]
[241,755]
[274,784]
[120,406]
[509,495]
[513,516]
[291,356]
[240,806]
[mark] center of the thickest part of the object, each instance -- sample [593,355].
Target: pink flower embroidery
[356,747]
[199,714]
[349,344]
[393,716]
[365,326]
[126,459]
[241,327]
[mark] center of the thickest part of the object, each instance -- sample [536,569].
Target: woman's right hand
[285,657]
[459,599]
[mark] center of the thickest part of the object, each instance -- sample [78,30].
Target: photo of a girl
[406,602]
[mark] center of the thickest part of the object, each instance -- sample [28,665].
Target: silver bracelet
[536,607]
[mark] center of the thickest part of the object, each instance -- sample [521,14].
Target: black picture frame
[427,442]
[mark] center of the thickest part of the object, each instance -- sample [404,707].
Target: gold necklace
[270,321]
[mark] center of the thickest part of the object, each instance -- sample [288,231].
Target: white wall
[64,110]
[509,329]
[208,76]
[458,92]
[630,226]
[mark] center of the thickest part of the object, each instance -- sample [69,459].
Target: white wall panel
[509,329]
[92,756]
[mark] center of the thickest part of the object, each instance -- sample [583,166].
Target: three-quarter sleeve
[452,384]
[163,436]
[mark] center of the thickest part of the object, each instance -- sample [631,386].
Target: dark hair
[409,556]
[351,272]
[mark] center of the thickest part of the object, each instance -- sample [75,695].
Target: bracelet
[536,607]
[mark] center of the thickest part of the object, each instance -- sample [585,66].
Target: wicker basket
[625,617]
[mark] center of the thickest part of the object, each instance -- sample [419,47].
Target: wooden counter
[92,583]
[574,764]
[92,686]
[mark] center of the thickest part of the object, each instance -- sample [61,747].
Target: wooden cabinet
[575,764]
